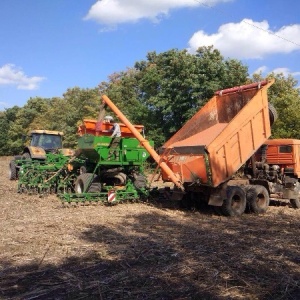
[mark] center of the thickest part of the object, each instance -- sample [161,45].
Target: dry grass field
[143,251]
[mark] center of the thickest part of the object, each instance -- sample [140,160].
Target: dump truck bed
[221,136]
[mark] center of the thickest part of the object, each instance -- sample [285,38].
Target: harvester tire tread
[13,173]
[87,182]
[258,199]
[140,182]
[295,203]
[235,202]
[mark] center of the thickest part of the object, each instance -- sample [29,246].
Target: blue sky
[48,46]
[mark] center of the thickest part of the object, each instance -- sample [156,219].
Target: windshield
[46,141]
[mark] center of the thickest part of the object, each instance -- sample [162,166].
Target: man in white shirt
[116,137]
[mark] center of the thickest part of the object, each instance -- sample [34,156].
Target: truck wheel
[295,203]
[272,114]
[258,199]
[235,203]
[13,173]
[87,182]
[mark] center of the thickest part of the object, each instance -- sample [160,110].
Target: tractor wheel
[258,199]
[140,182]
[295,203]
[235,203]
[13,172]
[87,182]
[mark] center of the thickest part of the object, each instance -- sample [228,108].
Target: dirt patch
[143,251]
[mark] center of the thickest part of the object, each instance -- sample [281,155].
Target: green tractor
[38,145]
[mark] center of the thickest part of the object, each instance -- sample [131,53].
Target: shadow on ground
[154,256]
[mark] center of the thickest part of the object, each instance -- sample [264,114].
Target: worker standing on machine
[116,137]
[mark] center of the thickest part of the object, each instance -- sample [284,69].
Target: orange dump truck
[206,153]
[204,159]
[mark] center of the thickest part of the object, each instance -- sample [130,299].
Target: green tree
[123,89]
[7,119]
[25,121]
[77,104]
[165,90]
[285,96]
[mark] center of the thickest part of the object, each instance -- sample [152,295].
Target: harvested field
[143,251]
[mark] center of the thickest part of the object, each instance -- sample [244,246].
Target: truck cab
[286,154]
[279,163]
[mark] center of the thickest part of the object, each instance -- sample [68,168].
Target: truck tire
[295,203]
[13,172]
[258,199]
[273,116]
[87,183]
[235,203]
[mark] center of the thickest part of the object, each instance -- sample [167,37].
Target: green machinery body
[95,173]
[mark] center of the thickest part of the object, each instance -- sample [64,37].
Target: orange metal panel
[230,127]
[245,133]
[89,127]
[190,168]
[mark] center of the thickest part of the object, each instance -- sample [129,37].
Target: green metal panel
[96,149]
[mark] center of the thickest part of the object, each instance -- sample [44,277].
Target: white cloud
[249,39]
[262,69]
[113,12]
[11,75]
[285,71]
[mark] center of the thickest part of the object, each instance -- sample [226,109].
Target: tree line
[161,92]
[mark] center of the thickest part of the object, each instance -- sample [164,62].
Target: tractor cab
[48,140]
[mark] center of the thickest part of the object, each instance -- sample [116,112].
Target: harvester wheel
[120,178]
[87,182]
[140,182]
[13,173]
[295,203]
[235,203]
[82,170]
[258,199]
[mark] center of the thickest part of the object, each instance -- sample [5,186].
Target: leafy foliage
[165,90]
[161,92]
[285,96]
